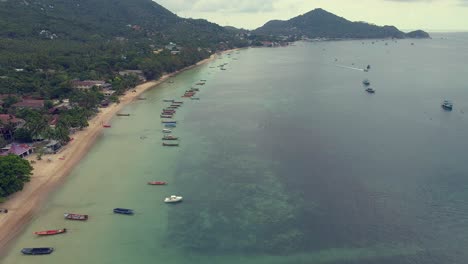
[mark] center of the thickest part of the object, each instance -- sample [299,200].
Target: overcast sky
[435,15]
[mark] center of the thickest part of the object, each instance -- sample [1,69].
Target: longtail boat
[50,232]
[37,251]
[170,137]
[123,211]
[170,144]
[166,116]
[177,102]
[78,217]
[107,126]
[157,183]
[169,122]
[123,114]
[168,100]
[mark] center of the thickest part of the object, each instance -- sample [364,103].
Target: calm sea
[285,159]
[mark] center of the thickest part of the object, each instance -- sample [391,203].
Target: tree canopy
[14,172]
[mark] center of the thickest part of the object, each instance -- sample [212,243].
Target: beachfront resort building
[88,84]
[21,150]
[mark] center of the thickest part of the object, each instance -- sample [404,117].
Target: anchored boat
[173,199]
[166,131]
[447,105]
[366,82]
[78,217]
[170,137]
[51,232]
[157,183]
[123,211]
[170,144]
[37,251]
[370,90]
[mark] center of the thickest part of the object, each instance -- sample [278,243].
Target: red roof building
[21,150]
[30,103]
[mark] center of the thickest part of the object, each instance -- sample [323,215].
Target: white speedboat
[173,199]
[165,130]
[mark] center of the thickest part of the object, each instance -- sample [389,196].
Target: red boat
[78,217]
[157,183]
[50,232]
[107,126]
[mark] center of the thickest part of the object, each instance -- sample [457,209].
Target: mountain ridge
[319,23]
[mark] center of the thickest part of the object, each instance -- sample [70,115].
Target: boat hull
[76,217]
[51,232]
[37,251]
[123,211]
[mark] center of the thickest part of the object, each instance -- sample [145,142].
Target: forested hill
[319,23]
[85,20]
[46,43]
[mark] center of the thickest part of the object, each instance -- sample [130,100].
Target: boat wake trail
[347,67]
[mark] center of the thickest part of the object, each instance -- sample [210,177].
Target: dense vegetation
[14,172]
[319,23]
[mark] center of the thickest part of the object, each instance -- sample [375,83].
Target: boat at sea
[79,217]
[202,80]
[178,102]
[366,82]
[166,116]
[170,137]
[106,126]
[173,199]
[166,130]
[447,105]
[123,114]
[168,100]
[195,98]
[170,144]
[170,125]
[141,98]
[370,90]
[200,83]
[51,232]
[172,107]
[157,183]
[37,251]
[169,122]
[123,211]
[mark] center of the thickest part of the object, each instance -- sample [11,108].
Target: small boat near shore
[123,211]
[170,144]
[51,232]
[78,217]
[106,126]
[168,100]
[170,125]
[157,183]
[123,114]
[366,82]
[37,251]
[195,98]
[173,199]
[170,137]
[169,122]
[166,131]
[166,116]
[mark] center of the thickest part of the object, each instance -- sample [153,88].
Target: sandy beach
[49,174]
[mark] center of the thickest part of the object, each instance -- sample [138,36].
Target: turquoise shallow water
[285,159]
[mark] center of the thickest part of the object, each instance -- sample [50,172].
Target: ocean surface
[285,159]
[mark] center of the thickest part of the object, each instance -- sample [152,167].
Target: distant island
[320,24]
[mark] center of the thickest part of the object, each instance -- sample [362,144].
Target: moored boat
[78,217]
[170,137]
[170,125]
[157,183]
[123,114]
[173,199]
[51,232]
[195,98]
[106,126]
[166,116]
[447,105]
[177,102]
[170,144]
[123,211]
[168,100]
[166,131]
[37,251]
[366,82]
[370,90]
